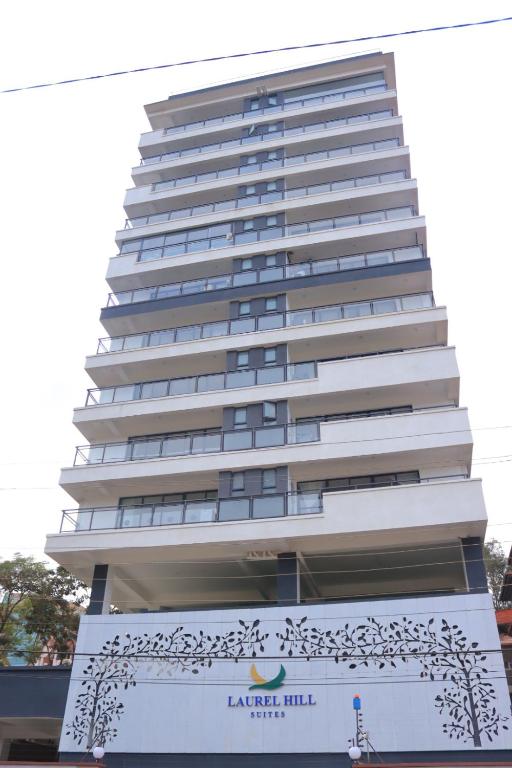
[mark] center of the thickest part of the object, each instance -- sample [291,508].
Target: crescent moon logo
[267,685]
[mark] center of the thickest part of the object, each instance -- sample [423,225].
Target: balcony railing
[266,275]
[186,444]
[283,162]
[267,322]
[325,125]
[309,101]
[183,512]
[178,247]
[266,197]
[209,382]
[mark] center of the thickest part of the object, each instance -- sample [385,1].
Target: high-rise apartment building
[276,491]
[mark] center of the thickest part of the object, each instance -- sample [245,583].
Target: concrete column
[288,579]
[473,554]
[99,595]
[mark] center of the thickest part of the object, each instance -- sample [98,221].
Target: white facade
[274,433]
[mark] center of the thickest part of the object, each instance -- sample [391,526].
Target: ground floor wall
[282,682]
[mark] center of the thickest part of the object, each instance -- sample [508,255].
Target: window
[270,356]
[250,189]
[269,412]
[242,359]
[272,100]
[271,186]
[270,304]
[244,308]
[237,483]
[271,127]
[271,261]
[271,221]
[269,480]
[254,104]
[272,155]
[240,418]
[248,225]
[246,264]
[252,159]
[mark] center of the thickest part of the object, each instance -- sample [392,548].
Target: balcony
[241,203]
[310,101]
[266,275]
[434,437]
[433,511]
[200,442]
[420,377]
[257,142]
[186,259]
[273,164]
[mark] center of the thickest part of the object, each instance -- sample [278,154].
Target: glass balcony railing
[267,275]
[309,101]
[271,164]
[183,512]
[208,382]
[265,197]
[325,125]
[175,244]
[266,322]
[186,444]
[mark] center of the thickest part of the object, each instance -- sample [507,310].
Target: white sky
[66,159]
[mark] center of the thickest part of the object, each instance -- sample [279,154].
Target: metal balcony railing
[264,198]
[309,101]
[209,382]
[324,125]
[273,163]
[194,443]
[183,512]
[266,322]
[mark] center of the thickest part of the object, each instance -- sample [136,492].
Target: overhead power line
[246,54]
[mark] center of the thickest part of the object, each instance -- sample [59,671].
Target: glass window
[240,418]
[237,482]
[271,304]
[269,412]
[270,356]
[251,159]
[244,308]
[254,104]
[271,186]
[272,100]
[246,264]
[272,155]
[248,225]
[269,479]
[242,359]
[271,221]
[271,261]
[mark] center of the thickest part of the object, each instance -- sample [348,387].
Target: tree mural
[115,668]
[443,652]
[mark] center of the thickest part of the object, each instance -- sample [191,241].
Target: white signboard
[428,673]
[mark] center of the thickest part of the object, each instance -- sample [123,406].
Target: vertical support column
[473,554]
[288,579]
[98,591]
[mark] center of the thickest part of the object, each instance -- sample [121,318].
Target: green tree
[495,565]
[37,601]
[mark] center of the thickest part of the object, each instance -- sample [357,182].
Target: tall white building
[276,490]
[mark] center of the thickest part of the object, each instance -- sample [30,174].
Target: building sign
[285,679]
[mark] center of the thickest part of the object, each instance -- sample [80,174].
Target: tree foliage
[36,601]
[495,565]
